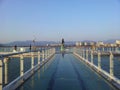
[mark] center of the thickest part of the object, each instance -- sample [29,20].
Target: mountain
[88,41]
[110,41]
[28,43]
[38,43]
[43,43]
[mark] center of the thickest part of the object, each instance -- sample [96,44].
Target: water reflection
[32,81]
[63,54]
[39,74]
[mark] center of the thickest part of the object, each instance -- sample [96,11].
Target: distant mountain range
[40,43]
[111,41]
[36,43]
[105,41]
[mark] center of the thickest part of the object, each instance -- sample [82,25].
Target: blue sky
[55,19]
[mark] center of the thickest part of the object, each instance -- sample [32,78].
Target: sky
[51,20]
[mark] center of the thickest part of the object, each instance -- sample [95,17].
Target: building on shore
[117,42]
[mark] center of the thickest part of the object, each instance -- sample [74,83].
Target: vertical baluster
[6,70]
[21,65]
[99,60]
[32,60]
[92,56]
[38,57]
[42,55]
[83,54]
[111,64]
[86,54]
[1,74]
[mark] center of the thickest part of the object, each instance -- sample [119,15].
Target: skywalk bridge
[48,69]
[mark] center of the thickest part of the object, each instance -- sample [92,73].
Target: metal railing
[87,55]
[45,54]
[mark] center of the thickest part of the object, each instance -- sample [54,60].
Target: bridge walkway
[65,72]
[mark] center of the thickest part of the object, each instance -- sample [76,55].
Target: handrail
[45,55]
[16,53]
[83,55]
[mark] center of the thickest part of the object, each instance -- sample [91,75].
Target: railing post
[51,51]
[43,57]
[45,54]
[81,52]
[21,65]
[99,60]
[48,53]
[86,54]
[6,69]
[111,64]
[38,57]
[92,56]
[32,60]
[1,74]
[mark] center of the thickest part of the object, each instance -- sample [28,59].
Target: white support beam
[32,59]
[6,70]
[21,65]
[1,74]
[43,55]
[91,56]
[99,60]
[38,57]
[111,64]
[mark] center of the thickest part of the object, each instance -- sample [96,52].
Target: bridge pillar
[38,57]
[6,70]
[21,65]
[92,56]
[1,74]
[111,64]
[43,56]
[99,60]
